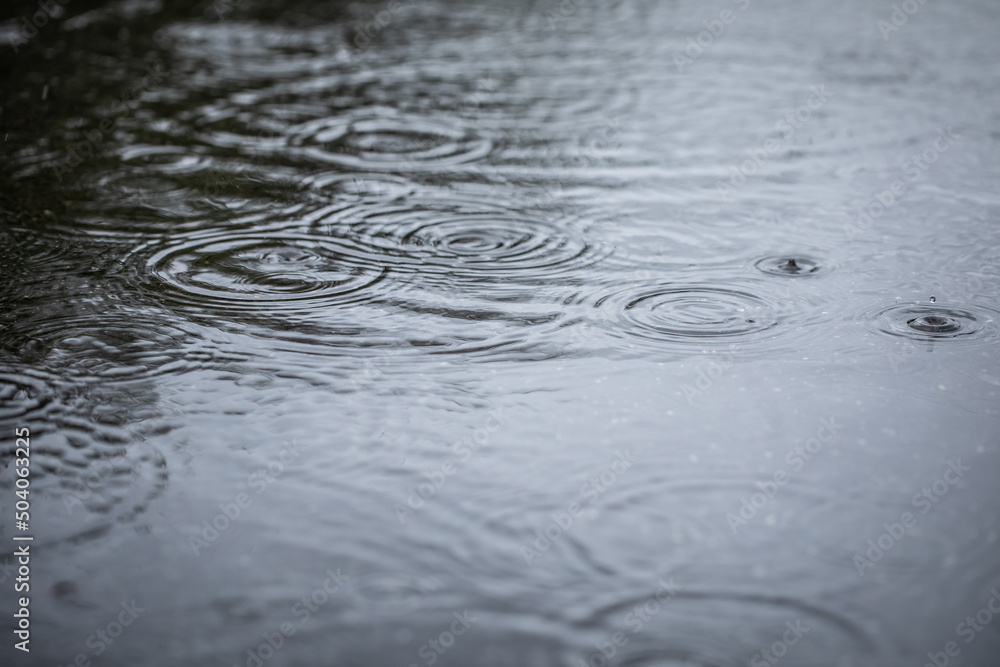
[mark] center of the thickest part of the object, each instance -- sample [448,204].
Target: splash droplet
[788,266]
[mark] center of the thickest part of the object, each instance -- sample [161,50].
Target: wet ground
[409,333]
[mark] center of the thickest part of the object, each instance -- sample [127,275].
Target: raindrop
[788,266]
[933,322]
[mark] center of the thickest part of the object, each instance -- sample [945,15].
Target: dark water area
[636,333]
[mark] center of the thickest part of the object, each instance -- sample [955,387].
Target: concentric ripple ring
[451,238]
[680,313]
[284,271]
[386,143]
[933,322]
[792,266]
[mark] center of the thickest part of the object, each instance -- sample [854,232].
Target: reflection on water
[464,263]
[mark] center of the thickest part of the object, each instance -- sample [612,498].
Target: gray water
[538,334]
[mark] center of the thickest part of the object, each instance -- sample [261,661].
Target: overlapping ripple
[392,142]
[378,187]
[22,394]
[107,345]
[685,630]
[267,271]
[451,237]
[83,454]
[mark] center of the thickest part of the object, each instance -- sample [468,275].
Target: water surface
[526,334]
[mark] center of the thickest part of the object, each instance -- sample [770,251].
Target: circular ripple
[361,186]
[265,271]
[696,312]
[113,346]
[684,631]
[386,143]
[21,395]
[450,238]
[791,266]
[257,129]
[482,240]
[90,447]
[933,322]
[165,159]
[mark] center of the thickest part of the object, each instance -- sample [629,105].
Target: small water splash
[935,324]
[932,322]
[792,266]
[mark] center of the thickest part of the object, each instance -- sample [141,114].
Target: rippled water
[526,334]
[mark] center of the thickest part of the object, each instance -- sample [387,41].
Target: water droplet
[935,324]
[926,322]
[788,266]
[933,300]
